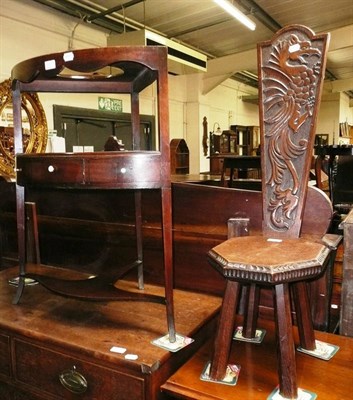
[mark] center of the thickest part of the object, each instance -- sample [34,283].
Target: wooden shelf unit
[179,157]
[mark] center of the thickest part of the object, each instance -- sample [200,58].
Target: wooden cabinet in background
[226,142]
[216,164]
[179,157]
[248,139]
[238,140]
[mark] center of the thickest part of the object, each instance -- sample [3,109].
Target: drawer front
[5,359]
[43,170]
[125,170]
[41,368]
[138,171]
[26,396]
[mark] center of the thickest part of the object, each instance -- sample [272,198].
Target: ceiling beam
[340,85]
[120,7]
[341,38]
[222,68]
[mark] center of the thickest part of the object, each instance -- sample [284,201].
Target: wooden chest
[47,336]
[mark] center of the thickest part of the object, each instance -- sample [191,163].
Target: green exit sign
[108,104]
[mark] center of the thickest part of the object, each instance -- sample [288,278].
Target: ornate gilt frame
[35,129]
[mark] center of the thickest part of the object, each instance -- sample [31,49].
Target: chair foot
[324,351]
[230,378]
[302,395]
[257,338]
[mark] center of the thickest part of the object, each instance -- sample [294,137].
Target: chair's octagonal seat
[267,260]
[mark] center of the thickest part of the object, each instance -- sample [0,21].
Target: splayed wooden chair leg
[225,331]
[252,311]
[285,342]
[304,319]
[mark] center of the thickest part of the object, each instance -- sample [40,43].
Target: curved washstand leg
[139,248]
[171,341]
[28,243]
[168,260]
[21,235]
[19,291]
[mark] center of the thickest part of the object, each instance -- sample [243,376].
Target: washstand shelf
[131,69]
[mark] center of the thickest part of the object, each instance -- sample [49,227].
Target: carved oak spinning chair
[291,69]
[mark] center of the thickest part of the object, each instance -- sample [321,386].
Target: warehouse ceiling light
[237,14]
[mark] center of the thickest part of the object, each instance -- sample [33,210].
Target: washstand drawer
[71,378]
[49,170]
[131,170]
[5,358]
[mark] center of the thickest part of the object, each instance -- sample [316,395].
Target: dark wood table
[240,163]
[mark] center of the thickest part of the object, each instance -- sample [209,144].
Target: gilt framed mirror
[34,128]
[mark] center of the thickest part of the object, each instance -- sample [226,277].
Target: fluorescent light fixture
[237,14]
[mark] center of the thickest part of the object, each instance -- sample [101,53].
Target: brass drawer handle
[73,381]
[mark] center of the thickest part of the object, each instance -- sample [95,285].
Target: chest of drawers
[55,348]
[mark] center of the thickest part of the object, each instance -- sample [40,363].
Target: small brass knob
[73,381]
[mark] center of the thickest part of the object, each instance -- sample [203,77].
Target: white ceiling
[230,47]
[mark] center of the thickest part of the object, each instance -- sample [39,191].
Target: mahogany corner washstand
[125,70]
